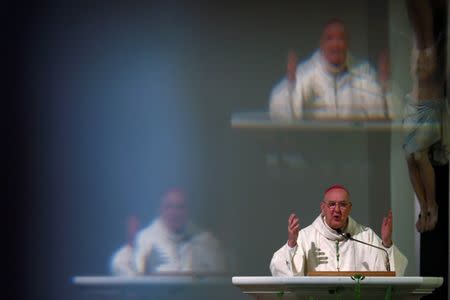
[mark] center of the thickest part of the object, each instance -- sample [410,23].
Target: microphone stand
[349,237]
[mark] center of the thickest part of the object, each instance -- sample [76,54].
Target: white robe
[317,250]
[122,262]
[159,250]
[317,93]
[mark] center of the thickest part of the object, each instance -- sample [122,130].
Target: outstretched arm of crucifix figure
[427,85]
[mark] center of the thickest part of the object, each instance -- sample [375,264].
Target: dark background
[113,103]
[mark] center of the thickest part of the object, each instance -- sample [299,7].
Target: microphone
[348,236]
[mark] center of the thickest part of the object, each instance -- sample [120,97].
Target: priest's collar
[337,231]
[322,227]
[331,68]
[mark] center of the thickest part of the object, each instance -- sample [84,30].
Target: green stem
[388,295]
[358,278]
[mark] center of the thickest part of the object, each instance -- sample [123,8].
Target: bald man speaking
[335,242]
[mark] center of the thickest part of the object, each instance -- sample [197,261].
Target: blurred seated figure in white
[329,85]
[325,245]
[170,244]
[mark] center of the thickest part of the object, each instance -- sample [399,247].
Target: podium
[336,287]
[158,287]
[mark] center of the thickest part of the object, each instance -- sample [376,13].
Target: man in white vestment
[325,245]
[171,243]
[329,85]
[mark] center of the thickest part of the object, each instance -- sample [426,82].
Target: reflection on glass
[425,112]
[172,243]
[330,84]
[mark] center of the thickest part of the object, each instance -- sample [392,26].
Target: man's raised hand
[293,229]
[386,230]
[291,65]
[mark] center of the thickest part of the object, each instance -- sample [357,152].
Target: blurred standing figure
[425,113]
[329,85]
[171,243]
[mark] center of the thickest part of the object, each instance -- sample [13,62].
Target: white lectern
[319,288]
[158,287]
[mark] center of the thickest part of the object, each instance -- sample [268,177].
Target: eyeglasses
[342,205]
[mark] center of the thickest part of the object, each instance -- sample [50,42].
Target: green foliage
[358,278]
[388,295]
